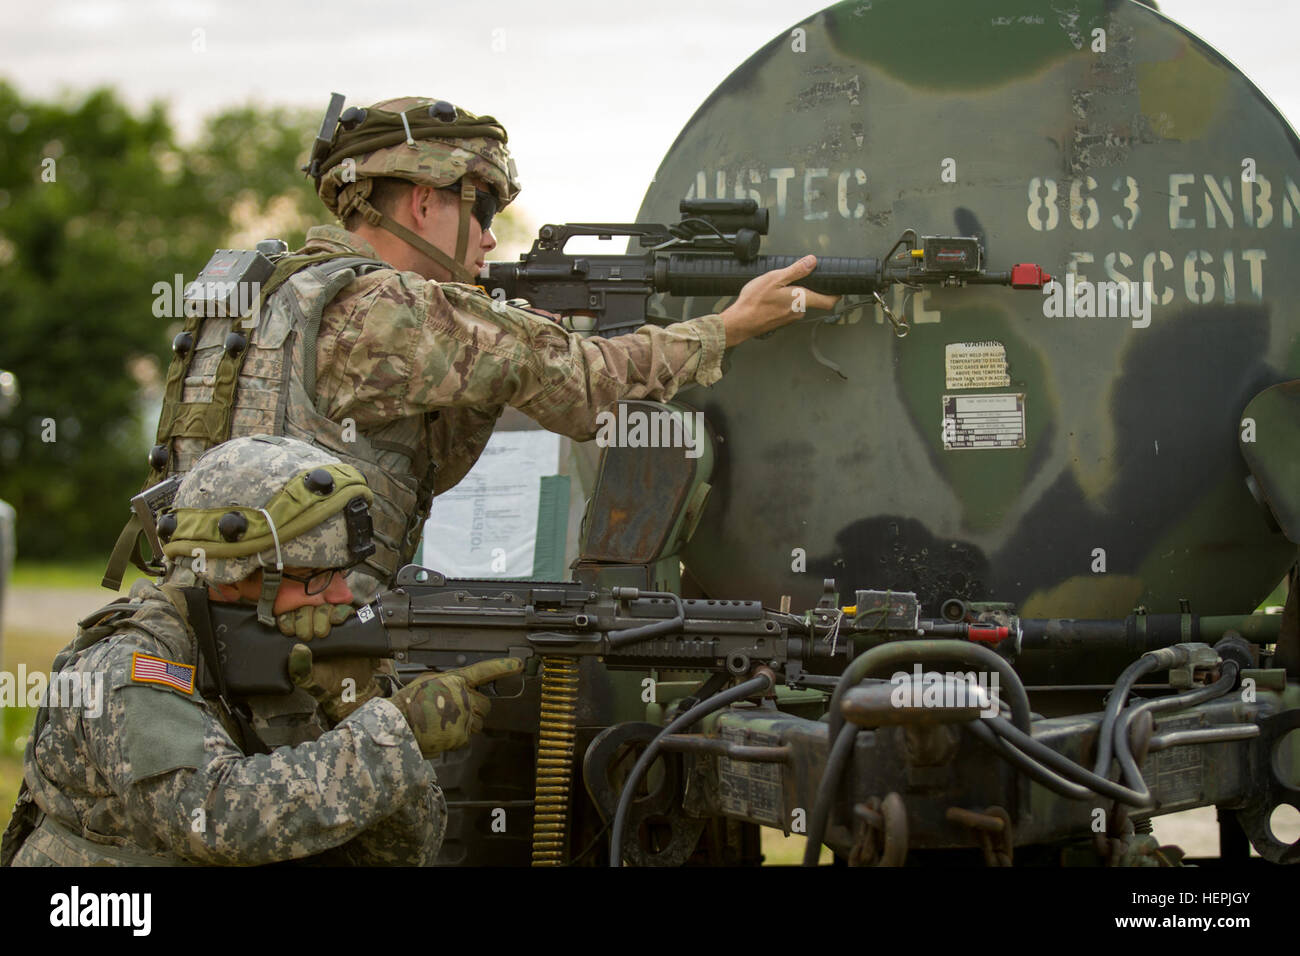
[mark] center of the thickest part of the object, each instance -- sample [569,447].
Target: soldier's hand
[770,301]
[444,709]
[339,685]
[313,621]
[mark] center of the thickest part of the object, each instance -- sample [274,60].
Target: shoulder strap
[335,274]
[210,421]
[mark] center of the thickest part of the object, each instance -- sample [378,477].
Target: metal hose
[1028,765]
[1124,753]
[1063,764]
[1115,703]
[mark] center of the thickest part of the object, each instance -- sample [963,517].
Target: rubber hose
[821,811]
[907,652]
[705,707]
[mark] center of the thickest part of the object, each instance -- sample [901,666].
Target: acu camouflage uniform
[124,787]
[156,773]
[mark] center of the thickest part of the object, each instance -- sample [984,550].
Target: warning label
[749,789]
[975,365]
[983,421]
[1178,773]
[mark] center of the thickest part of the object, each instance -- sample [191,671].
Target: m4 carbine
[713,251]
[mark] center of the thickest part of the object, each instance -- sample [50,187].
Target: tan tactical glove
[444,709]
[313,621]
[340,685]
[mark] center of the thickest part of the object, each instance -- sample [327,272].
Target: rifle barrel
[679,274]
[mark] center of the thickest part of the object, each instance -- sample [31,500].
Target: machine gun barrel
[460,622]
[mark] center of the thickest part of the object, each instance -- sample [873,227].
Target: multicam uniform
[400,376]
[393,349]
[157,776]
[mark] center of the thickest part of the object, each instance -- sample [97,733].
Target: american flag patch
[155,670]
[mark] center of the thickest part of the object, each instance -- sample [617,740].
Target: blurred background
[136,137]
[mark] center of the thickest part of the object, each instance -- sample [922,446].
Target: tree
[98,205]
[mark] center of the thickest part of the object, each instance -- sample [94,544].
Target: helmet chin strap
[459,272]
[270,578]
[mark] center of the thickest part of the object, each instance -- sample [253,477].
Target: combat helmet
[425,141]
[266,502]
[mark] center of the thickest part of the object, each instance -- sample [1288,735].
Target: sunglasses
[485,204]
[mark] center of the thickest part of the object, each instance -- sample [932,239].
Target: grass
[782,850]
[35,650]
[15,725]
[66,575]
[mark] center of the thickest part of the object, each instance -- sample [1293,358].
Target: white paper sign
[486,527]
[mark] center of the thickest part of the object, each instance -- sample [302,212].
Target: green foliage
[67,576]
[128,207]
[15,725]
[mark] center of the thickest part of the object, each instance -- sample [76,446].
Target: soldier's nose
[338,592]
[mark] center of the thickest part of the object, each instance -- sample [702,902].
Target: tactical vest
[226,383]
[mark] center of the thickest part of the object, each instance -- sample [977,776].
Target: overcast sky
[552,72]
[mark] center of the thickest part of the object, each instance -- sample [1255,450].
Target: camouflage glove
[339,685]
[313,621]
[444,709]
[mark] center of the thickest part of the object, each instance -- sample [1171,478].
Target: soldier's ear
[422,203]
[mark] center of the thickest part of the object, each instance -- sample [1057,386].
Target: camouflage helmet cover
[277,490]
[424,158]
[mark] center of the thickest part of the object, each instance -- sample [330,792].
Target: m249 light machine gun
[897,768]
[713,251]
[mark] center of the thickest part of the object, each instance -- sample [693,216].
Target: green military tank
[1070,476]
[1074,461]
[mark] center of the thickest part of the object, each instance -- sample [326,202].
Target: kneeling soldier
[156,773]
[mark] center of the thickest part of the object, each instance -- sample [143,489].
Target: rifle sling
[212,677]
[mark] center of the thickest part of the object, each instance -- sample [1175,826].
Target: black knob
[352,117]
[166,527]
[236,343]
[319,481]
[444,111]
[158,457]
[183,344]
[272,247]
[232,525]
